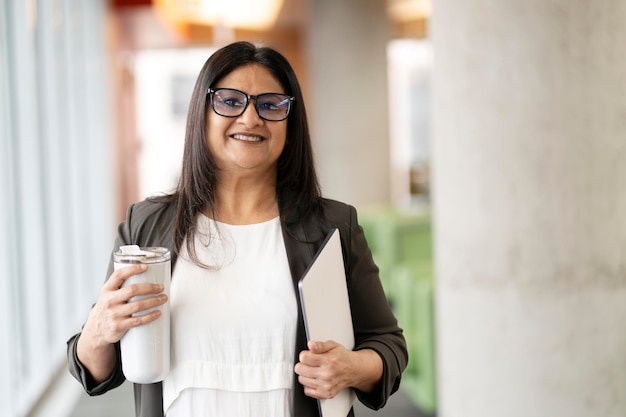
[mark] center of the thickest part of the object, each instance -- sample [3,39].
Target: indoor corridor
[481,142]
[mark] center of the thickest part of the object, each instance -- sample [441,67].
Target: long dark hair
[297,185]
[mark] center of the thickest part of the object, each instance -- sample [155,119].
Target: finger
[304,370]
[143,289]
[135,307]
[118,276]
[312,388]
[315,393]
[307,382]
[321,347]
[135,321]
[306,357]
[310,359]
[131,293]
[117,319]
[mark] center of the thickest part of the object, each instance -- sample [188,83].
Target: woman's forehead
[252,79]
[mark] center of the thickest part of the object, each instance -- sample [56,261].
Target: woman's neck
[245,201]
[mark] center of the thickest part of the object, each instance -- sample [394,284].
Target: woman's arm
[380,356]
[94,354]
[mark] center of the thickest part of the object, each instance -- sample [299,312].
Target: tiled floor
[119,403]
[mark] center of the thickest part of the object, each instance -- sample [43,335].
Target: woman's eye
[268,106]
[231,102]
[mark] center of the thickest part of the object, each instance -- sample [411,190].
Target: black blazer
[151,223]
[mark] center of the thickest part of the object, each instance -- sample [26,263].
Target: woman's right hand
[113,315]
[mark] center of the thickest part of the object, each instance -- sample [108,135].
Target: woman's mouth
[247,138]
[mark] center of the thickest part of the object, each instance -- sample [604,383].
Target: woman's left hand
[328,367]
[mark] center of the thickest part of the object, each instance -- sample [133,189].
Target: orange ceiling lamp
[237,14]
[407,10]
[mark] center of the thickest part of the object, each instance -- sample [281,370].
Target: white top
[233,327]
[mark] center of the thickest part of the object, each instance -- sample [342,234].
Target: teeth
[248,138]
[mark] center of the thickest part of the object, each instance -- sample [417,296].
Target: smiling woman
[243,225]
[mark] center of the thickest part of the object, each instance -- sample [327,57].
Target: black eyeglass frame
[212,91]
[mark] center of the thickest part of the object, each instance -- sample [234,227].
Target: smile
[247,138]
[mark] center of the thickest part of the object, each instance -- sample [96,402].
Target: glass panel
[7,287]
[56,218]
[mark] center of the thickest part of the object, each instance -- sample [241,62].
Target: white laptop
[326,310]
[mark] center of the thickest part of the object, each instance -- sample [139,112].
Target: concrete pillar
[347,98]
[530,207]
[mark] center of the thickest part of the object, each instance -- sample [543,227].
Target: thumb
[321,347]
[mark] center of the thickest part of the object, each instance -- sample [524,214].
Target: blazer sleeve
[375,325]
[75,367]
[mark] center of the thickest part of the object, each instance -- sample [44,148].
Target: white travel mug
[146,348]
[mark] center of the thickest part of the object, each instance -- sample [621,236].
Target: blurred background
[482,142]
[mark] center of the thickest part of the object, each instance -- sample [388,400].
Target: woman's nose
[250,116]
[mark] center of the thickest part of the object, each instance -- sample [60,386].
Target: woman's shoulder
[335,204]
[150,222]
[337,211]
[328,214]
[152,208]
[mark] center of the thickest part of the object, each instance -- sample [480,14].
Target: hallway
[119,403]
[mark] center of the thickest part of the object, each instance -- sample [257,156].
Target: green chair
[401,245]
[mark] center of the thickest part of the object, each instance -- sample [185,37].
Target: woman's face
[246,144]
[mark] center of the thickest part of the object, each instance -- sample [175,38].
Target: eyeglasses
[229,102]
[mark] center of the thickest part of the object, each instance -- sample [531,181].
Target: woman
[244,224]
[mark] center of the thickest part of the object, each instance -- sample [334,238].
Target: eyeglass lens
[232,103]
